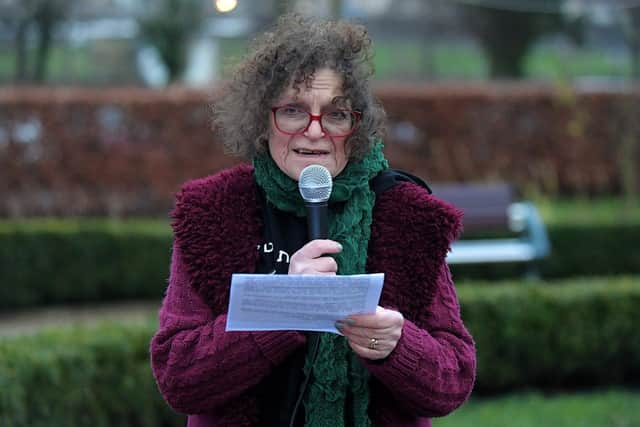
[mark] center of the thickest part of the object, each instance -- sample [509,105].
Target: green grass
[459,61]
[400,59]
[601,211]
[567,288]
[577,211]
[611,408]
[562,64]
[64,61]
[157,227]
[463,60]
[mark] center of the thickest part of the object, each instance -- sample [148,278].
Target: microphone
[315,185]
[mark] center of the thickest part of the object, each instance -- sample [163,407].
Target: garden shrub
[80,262]
[581,333]
[577,333]
[94,377]
[53,265]
[576,251]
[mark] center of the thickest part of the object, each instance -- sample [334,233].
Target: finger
[314,266]
[379,352]
[363,335]
[317,248]
[381,319]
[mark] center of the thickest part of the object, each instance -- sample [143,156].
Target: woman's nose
[314,130]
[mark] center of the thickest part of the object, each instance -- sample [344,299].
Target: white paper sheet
[268,302]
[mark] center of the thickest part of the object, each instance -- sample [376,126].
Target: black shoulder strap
[389,178]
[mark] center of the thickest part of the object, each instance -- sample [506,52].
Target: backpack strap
[389,178]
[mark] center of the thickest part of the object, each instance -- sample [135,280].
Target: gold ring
[373,342]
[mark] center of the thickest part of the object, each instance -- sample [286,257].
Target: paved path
[31,320]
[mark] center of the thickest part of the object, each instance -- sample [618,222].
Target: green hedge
[59,262]
[574,334]
[563,334]
[576,251]
[94,377]
[85,261]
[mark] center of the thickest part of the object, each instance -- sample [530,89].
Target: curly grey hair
[289,55]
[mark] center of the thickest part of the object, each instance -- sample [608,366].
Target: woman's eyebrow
[341,101]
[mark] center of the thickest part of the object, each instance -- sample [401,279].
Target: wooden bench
[491,208]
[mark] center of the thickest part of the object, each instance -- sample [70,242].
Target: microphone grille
[315,184]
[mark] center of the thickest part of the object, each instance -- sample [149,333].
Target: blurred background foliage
[104,112]
[102,42]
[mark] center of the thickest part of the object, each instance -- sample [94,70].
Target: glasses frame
[312,117]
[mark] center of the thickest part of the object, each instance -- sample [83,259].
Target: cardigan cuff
[277,345]
[405,358]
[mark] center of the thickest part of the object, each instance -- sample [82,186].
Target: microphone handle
[317,220]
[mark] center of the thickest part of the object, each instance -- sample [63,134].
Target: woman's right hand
[313,258]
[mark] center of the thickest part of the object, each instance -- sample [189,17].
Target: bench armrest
[524,218]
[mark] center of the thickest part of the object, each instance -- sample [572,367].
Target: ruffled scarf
[338,382]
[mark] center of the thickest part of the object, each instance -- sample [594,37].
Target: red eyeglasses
[293,120]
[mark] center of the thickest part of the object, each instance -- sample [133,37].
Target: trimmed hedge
[65,262]
[579,333]
[576,250]
[125,151]
[576,334]
[94,377]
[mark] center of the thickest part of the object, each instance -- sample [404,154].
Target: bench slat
[493,251]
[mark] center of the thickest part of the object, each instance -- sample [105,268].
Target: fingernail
[340,247]
[349,322]
[339,325]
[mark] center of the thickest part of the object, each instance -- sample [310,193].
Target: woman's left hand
[373,336]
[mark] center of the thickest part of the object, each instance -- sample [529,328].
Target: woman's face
[292,153]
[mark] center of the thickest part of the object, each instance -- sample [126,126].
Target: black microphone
[315,185]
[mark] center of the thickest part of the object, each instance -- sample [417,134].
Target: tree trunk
[634,42]
[281,7]
[336,9]
[635,60]
[21,52]
[506,63]
[43,49]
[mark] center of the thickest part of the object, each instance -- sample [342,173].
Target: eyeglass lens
[334,123]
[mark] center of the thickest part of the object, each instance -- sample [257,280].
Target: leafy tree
[35,20]
[632,31]
[506,35]
[169,29]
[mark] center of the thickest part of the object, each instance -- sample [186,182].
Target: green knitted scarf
[337,375]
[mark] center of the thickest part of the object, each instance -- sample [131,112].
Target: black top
[283,234]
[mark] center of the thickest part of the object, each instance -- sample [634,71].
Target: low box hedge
[55,262]
[581,333]
[94,377]
[577,250]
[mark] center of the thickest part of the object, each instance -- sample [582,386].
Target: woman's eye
[291,111]
[338,115]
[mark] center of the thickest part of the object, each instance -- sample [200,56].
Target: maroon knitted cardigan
[201,369]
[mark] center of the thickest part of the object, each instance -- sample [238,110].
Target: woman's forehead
[324,80]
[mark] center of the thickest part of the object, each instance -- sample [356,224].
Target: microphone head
[315,184]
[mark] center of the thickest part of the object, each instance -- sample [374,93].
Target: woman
[303,97]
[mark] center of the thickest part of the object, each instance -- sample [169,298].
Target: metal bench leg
[532,272]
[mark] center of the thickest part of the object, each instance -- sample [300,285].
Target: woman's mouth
[305,152]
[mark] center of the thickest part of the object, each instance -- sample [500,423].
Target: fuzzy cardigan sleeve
[432,369]
[199,367]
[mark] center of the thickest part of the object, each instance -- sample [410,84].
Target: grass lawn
[612,408]
[393,60]
[601,211]
[151,226]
